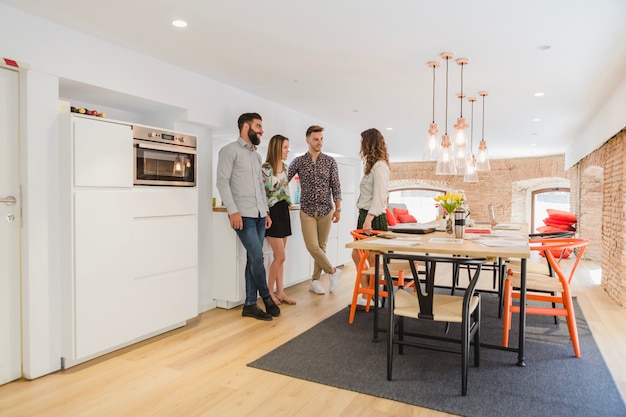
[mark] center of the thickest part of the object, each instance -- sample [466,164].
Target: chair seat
[538,282]
[541,268]
[394,268]
[447,308]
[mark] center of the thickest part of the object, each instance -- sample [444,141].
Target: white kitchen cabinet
[130,267]
[165,256]
[103,260]
[103,153]
[298,261]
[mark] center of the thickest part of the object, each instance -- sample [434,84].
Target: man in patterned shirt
[319,181]
[241,187]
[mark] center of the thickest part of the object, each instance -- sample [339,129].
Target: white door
[10,229]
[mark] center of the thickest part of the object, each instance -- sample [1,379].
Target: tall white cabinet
[130,253]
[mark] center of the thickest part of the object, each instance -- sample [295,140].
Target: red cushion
[552,221]
[406,218]
[546,229]
[564,216]
[391,220]
[563,226]
[399,211]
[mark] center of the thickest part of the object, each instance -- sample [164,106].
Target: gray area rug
[553,383]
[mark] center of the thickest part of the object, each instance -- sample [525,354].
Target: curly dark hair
[373,148]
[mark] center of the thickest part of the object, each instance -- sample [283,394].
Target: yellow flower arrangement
[451,201]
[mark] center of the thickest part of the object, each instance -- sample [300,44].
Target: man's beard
[254,137]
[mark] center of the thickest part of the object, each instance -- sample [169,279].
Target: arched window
[547,198]
[419,201]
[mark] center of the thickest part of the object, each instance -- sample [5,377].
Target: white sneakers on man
[333,280]
[316,287]
[362,301]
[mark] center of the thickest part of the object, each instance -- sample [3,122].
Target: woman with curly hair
[374,188]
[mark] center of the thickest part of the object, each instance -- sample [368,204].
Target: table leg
[522,315]
[376,284]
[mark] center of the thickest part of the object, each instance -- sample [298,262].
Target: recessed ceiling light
[179,23]
[533,144]
[544,47]
[539,94]
[390,128]
[536,119]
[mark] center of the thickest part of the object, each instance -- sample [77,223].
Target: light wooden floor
[200,370]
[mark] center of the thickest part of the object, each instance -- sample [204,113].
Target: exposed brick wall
[604,169]
[597,186]
[505,186]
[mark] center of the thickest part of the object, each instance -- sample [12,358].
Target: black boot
[271,306]
[254,311]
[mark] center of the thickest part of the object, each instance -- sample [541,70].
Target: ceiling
[361,64]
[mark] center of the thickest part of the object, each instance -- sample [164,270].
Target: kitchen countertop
[223,209]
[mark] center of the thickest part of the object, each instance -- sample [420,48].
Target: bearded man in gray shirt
[240,185]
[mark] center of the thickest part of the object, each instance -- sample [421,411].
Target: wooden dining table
[501,245]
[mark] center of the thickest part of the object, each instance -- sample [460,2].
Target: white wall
[190,102]
[609,120]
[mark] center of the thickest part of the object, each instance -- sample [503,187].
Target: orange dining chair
[541,266]
[553,290]
[401,279]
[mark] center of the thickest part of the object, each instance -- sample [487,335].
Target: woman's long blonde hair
[373,148]
[275,152]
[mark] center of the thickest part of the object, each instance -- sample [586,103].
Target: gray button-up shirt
[239,180]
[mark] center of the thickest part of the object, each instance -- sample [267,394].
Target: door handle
[9,201]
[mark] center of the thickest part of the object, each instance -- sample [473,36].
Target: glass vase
[449,226]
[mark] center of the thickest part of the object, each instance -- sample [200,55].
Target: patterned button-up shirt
[319,183]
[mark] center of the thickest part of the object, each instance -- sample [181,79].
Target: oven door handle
[168,148]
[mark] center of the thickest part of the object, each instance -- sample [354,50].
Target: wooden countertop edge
[222,209]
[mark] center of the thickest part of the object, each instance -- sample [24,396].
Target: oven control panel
[162,136]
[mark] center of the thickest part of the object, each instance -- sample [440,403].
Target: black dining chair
[427,304]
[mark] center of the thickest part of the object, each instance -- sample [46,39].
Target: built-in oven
[164,158]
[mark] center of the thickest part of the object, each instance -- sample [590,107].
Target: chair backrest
[552,235]
[358,234]
[426,291]
[559,245]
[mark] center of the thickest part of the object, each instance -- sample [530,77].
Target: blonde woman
[278,199]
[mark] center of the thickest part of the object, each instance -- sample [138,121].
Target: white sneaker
[316,287]
[362,301]
[333,280]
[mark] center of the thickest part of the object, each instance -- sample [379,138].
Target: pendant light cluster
[456,158]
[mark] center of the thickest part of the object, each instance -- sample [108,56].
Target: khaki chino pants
[315,231]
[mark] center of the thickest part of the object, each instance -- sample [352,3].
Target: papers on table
[397,242]
[446,240]
[495,242]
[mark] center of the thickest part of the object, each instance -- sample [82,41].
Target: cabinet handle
[9,201]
